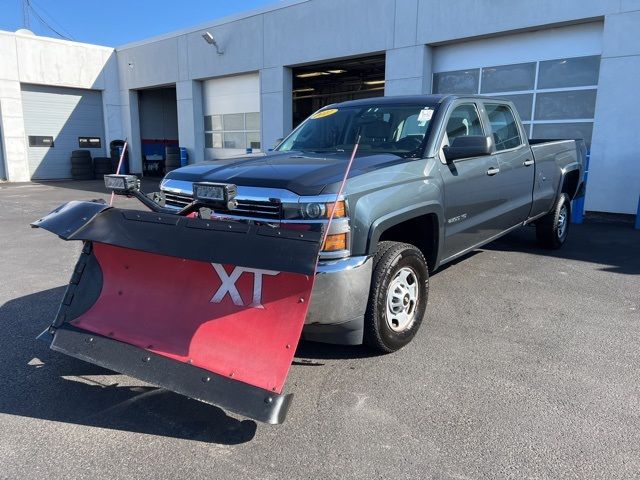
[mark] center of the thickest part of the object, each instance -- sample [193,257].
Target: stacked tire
[171,158]
[81,165]
[102,166]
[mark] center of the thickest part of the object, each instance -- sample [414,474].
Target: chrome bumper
[340,292]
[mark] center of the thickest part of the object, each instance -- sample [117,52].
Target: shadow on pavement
[39,383]
[613,246]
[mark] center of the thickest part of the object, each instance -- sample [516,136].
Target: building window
[232,130]
[555,98]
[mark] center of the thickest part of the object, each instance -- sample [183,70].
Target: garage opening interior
[320,84]
[158,112]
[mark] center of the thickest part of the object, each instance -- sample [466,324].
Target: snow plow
[208,307]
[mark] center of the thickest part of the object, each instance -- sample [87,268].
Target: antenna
[25,14]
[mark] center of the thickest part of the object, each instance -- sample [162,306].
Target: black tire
[172,151]
[553,228]
[172,160]
[82,176]
[102,161]
[81,161]
[82,170]
[81,153]
[393,259]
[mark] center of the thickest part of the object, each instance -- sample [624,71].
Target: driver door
[470,185]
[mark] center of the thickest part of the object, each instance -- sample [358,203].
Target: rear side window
[464,120]
[504,126]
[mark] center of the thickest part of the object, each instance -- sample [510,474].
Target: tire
[82,176]
[172,151]
[102,161]
[80,161]
[81,170]
[553,228]
[172,160]
[81,153]
[390,325]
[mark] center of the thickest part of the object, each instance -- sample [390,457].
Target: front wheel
[398,296]
[553,228]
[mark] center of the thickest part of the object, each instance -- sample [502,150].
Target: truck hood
[301,173]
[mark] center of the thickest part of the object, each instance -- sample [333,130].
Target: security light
[212,41]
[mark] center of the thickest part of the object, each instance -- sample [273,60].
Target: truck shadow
[613,247]
[39,383]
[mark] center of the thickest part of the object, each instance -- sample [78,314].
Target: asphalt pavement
[527,366]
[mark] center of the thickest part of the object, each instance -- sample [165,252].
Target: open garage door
[317,85]
[158,109]
[57,121]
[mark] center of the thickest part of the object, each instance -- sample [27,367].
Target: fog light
[335,243]
[216,194]
[122,183]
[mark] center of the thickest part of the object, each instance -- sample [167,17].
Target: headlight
[216,194]
[314,210]
[122,183]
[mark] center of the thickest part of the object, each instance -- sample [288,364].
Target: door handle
[528,163]
[493,171]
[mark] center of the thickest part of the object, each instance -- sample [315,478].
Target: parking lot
[526,366]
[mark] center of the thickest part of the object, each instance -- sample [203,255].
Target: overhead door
[231,115]
[550,75]
[57,120]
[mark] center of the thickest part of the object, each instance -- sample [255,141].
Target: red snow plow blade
[210,309]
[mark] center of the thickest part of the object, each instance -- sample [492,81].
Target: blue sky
[116,22]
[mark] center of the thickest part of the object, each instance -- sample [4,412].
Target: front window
[394,129]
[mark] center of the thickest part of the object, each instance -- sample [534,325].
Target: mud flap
[210,309]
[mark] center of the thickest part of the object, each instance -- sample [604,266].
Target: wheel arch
[419,225]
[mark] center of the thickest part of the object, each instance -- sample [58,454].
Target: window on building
[232,130]
[464,120]
[554,98]
[504,126]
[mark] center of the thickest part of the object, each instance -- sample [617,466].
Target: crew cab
[434,177]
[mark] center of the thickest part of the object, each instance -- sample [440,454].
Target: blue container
[577,206]
[638,216]
[184,157]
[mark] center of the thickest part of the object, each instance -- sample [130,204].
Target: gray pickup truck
[434,178]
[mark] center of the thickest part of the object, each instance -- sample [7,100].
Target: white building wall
[45,61]
[614,170]
[294,32]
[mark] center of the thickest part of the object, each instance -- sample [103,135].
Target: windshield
[396,129]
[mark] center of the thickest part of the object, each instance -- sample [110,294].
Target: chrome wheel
[562,221]
[402,298]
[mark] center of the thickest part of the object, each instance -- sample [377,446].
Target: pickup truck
[435,177]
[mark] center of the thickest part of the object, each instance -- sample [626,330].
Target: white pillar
[408,71]
[190,119]
[276,106]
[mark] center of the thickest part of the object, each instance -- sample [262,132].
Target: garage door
[231,115]
[55,120]
[550,75]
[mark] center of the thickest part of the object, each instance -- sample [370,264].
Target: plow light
[216,194]
[122,183]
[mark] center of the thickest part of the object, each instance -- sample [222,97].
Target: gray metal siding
[65,114]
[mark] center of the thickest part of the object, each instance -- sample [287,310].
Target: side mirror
[467,146]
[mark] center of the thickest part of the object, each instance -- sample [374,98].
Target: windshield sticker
[324,113]
[424,116]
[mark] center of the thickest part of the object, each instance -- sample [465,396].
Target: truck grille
[246,208]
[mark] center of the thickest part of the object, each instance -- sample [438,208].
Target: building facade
[243,82]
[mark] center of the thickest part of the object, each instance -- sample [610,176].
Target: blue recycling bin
[184,157]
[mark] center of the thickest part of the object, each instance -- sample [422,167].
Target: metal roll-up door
[63,115]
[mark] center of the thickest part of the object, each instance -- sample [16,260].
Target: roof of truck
[396,100]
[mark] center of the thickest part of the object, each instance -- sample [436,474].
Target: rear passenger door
[470,185]
[515,161]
